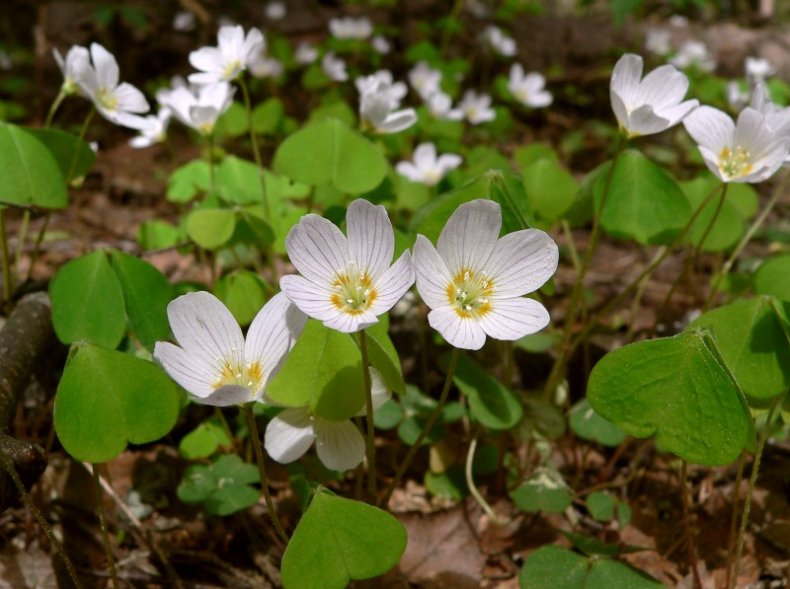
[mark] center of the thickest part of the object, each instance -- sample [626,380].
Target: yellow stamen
[469,293]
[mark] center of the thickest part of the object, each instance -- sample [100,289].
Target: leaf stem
[256,445]
[105,536]
[448,381]
[21,239]
[736,499]
[470,482]
[747,502]
[256,152]
[370,439]
[692,547]
[8,286]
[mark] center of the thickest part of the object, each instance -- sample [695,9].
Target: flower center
[248,375]
[107,99]
[353,290]
[232,70]
[735,163]
[469,293]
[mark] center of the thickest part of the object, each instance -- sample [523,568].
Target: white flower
[233,55]
[346,282]
[440,105]
[213,361]
[305,53]
[427,168]
[275,10]
[99,82]
[694,53]
[381,45]
[528,89]
[351,28]
[76,57]
[199,108]
[334,67]
[338,443]
[737,95]
[776,117]
[651,105]
[748,151]
[679,21]
[184,21]
[475,282]
[499,41]
[477,107]
[378,103]
[155,130]
[757,69]
[424,79]
[657,41]
[265,67]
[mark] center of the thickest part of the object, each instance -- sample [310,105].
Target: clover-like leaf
[490,402]
[588,425]
[545,491]
[204,440]
[339,540]
[107,399]
[223,487]
[679,389]
[211,228]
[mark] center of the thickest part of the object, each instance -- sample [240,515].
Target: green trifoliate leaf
[223,487]
[73,156]
[339,540]
[490,402]
[188,181]
[550,188]
[211,228]
[543,491]
[204,440]
[773,278]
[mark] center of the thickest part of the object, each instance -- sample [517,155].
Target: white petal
[273,333]
[432,274]
[312,299]
[228,395]
[348,323]
[511,319]
[620,112]
[409,170]
[425,156]
[625,77]
[470,235]
[107,73]
[205,328]
[522,262]
[393,284]
[677,113]
[289,435]
[206,59]
[371,241]
[664,86]
[461,332]
[230,39]
[130,99]
[710,128]
[340,445]
[204,78]
[317,248]
[189,371]
[448,162]
[253,44]
[644,121]
[751,132]
[398,121]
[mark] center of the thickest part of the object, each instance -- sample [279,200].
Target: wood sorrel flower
[155,130]
[475,282]
[379,99]
[500,42]
[99,82]
[529,89]
[351,28]
[427,168]
[233,55]
[346,282]
[476,107]
[69,65]
[339,444]
[650,105]
[334,67]
[213,361]
[749,151]
[199,108]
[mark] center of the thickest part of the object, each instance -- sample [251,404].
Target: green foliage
[544,491]
[383,356]
[223,487]
[773,277]
[107,399]
[73,156]
[204,440]
[188,181]
[490,402]
[243,292]
[339,540]
[679,389]
[550,188]
[588,425]
[211,228]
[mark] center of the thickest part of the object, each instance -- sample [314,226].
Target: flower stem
[256,445]
[736,499]
[37,244]
[448,381]
[83,131]
[8,286]
[256,152]
[370,439]
[54,108]
[470,482]
[758,222]
[747,502]
[692,547]
[21,239]
[104,534]
[212,179]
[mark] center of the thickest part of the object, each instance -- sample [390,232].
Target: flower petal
[664,86]
[710,128]
[348,323]
[522,262]
[371,241]
[188,370]
[312,299]
[397,121]
[461,332]
[393,284]
[340,445]
[107,73]
[317,248]
[227,395]
[433,277]
[130,99]
[625,77]
[289,435]
[470,235]
[409,170]
[512,319]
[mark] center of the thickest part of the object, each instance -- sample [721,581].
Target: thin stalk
[370,439]
[447,34]
[256,445]
[21,239]
[713,220]
[83,131]
[37,244]
[8,466]
[566,231]
[255,148]
[747,502]
[470,482]
[211,169]
[105,536]
[635,306]
[692,548]
[8,285]
[54,108]
[736,499]
[448,381]
[758,222]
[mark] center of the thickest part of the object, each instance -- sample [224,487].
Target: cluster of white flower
[379,101]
